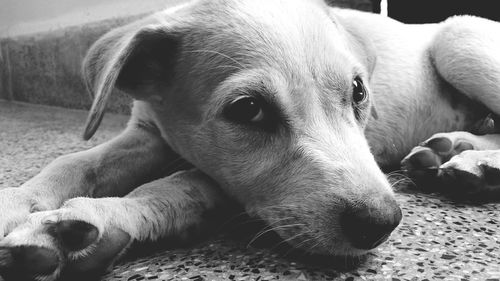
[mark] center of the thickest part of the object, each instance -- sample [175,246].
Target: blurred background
[42,42]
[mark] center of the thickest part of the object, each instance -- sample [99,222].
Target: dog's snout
[367,227]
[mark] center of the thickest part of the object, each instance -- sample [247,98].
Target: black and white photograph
[249,140]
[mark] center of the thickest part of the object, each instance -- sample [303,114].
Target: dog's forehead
[294,45]
[267,28]
[296,37]
[301,39]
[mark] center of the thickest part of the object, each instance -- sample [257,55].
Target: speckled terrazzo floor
[437,240]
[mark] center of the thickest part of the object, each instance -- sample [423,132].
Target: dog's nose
[367,227]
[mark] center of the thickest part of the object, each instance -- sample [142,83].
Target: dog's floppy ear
[138,59]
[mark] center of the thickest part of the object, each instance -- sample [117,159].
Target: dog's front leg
[110,169]
[86,235]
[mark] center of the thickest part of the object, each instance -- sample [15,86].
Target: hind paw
[425,160]
[457,162]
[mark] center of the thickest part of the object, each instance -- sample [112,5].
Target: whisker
[396,173]
[234,217]
[298,246]
[397,179]
[272,229]
[251,220]
[380,239]
[317,243]
[272,224]
[291,238]
[396,183]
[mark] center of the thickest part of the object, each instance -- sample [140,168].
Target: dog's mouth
[301,249]
[292,237]
[348,231]
[321,245]
[304,245]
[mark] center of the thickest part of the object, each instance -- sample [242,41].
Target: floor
[437,240]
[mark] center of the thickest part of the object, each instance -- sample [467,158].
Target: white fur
[301,55]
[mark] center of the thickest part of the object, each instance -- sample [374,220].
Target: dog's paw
[472,172]
[422,164]
[67,243]
[16,204]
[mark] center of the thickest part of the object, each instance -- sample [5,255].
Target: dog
[288,108]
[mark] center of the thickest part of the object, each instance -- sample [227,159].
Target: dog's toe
[74,235]
[422,158]
[27,263]
[463,146]
[423,164]
[107,250]
[63,243]
[440,145]
[447,147]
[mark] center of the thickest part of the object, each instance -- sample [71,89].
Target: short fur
[305,175]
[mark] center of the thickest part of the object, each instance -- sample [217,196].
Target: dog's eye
[245,110]
[359,94]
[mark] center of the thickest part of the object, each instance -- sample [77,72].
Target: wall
[41,52]
[21,17]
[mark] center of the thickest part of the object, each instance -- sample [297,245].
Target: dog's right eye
[245,110]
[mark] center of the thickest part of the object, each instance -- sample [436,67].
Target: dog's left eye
[245,110]
[359,94]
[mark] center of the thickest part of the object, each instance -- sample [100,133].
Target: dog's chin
[337,247]
[310,242]
[335,250]
[342,257]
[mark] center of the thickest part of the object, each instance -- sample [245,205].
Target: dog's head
[270,99]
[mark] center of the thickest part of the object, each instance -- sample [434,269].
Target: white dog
[285,107]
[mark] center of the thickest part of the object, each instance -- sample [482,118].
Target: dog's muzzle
[366,227]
